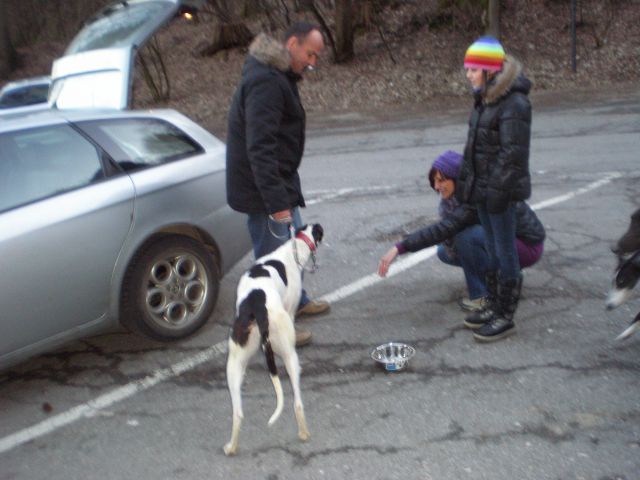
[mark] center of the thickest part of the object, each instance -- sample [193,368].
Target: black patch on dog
[318,232]
[279,266]
[250,309]
[254,309]
[258,271]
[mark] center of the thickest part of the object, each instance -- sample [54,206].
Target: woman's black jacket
[495,169]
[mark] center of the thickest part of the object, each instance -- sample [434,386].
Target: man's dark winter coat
[265,138]
[495,169]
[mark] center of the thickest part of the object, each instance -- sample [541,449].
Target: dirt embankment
[420,65]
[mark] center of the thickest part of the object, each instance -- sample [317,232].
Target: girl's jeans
[500,241]
[471,255]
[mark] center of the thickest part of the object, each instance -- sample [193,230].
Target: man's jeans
[500,234]
[471,255]
[267,235]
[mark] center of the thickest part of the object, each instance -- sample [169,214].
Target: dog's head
[313,232]
[626,277]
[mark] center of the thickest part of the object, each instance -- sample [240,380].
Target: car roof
[52,116]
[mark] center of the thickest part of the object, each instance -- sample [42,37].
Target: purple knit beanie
[448,163]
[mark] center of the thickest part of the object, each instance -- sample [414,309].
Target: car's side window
[146,142]
[41,162]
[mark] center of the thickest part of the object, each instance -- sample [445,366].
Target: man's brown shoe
[313,307]
[302,337]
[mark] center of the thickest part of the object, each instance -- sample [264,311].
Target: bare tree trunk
[344,31]
[311,6]
[227,35]
[494,18]
[8,55]
[229,32]
[154,71]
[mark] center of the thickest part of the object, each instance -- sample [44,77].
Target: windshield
[118,25]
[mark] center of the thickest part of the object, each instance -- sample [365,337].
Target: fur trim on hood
[504,80]
[269,51]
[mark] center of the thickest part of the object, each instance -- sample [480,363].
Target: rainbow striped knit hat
[486,53]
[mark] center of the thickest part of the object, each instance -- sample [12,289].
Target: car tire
[170,289]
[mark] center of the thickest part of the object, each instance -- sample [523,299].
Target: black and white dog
[267,298]
[627,272]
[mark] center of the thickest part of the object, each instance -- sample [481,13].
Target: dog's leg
[236,367]
[635,325]
[293,369]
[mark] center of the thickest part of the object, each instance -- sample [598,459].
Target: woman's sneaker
[478,319]
[496,329]
[474,305]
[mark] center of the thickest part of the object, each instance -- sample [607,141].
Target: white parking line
[92,407]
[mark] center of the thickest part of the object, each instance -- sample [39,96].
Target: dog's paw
[304,435]
[230,450]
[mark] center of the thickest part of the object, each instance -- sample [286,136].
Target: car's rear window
[117,26]
[23,96]
[143,142]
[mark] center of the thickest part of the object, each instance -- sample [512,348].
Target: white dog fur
[267,298]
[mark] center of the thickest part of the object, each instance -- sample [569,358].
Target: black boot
[489,312]
[502,325]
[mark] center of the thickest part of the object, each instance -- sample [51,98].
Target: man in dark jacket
[265,142]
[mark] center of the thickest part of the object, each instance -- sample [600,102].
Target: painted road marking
[92,407]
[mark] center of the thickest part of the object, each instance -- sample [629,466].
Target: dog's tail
[257,304]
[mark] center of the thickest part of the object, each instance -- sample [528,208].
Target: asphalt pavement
[560,399]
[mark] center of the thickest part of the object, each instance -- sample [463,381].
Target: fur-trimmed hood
[509,78]
[269,51]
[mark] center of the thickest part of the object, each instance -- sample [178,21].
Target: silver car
[110,217]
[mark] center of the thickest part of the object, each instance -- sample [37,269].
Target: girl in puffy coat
[495,175]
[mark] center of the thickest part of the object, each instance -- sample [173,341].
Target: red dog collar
[302,236]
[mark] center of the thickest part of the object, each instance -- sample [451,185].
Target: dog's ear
[317,232]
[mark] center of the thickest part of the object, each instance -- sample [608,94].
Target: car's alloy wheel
[170,289]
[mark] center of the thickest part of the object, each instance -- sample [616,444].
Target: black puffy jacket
[529,229]
[495,169]
[266,134]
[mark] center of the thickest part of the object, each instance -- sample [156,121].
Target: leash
[292,237]
[283,237]
[314,266]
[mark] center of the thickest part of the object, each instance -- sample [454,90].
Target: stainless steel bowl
[393,355]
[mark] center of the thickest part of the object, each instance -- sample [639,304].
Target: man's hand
[283,216]
[385,261]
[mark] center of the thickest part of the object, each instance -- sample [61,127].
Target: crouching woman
[460,237]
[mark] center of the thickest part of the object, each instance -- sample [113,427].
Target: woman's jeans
[267,235]
[471,255]
[500,236]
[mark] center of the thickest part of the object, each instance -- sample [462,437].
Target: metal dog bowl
[393,355]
